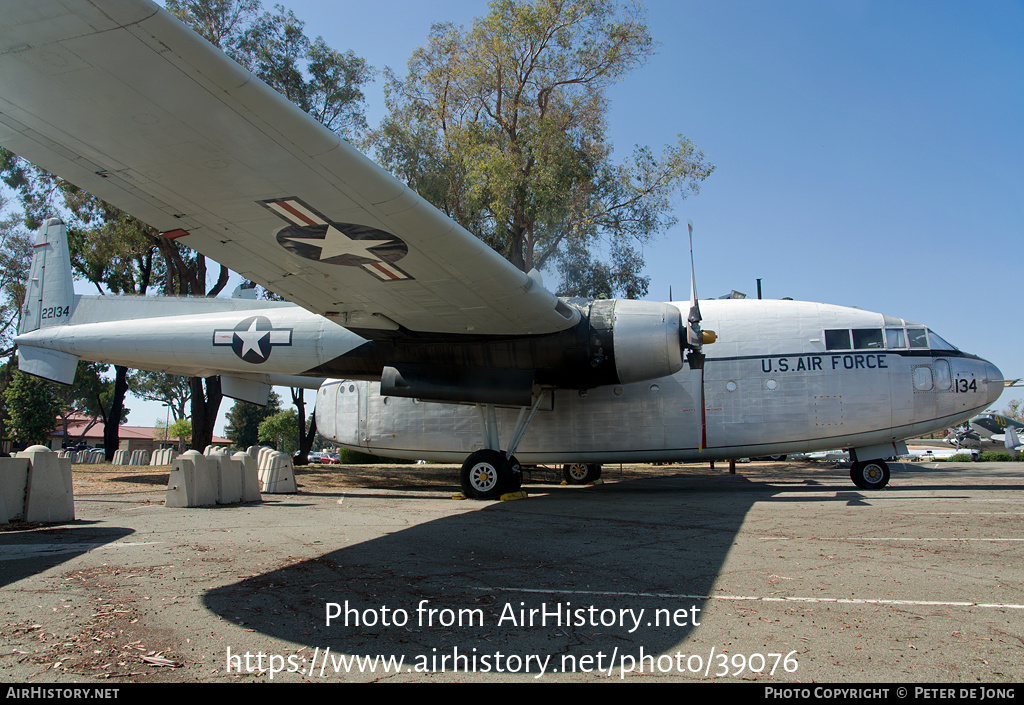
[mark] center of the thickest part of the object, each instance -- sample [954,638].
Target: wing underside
[125,102]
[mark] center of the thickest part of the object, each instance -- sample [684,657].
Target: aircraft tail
[49,301]
[1011,440]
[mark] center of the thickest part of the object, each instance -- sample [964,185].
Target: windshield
[938,343]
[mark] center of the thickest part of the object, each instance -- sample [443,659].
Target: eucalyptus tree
[504,127]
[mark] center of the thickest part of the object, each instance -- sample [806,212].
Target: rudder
[49,301]
[49,291]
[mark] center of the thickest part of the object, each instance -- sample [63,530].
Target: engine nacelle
[644,336]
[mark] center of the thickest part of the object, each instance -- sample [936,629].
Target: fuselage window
[837,339]
[923,378]
[894,338]
[918,337]
[943,375]
[867,338]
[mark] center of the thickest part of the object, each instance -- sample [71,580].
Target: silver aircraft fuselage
[779,380]
[783,377]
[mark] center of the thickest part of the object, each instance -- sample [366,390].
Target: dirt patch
[119,479]
[110,638]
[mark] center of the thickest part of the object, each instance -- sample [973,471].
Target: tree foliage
[1015,409]
[31,406]
[281,431]
[243,421]
[325,83]
[180,429]
[503,126]
[15,257]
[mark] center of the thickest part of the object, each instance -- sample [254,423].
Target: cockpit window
[837,339]
[913,336]
[867,338]
[894,338]
[938,343]
[918,337]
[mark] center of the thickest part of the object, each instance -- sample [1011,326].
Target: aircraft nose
[995,380]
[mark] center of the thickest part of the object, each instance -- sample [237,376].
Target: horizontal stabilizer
[48,364]
[245,390]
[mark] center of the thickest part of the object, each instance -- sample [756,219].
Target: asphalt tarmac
[781,573]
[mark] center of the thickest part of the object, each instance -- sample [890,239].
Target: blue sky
[868,152]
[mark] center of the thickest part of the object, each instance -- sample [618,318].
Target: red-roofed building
[83,429]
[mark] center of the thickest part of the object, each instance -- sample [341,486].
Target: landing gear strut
[490,473]
[870,474]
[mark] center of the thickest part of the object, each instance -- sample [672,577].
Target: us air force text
[821,363]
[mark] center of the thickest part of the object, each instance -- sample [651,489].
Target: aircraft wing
[119,98]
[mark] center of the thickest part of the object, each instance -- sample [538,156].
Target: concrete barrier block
[49,495]
[181,483]
[140,457]
[121,457]
[191,482]
[250,477]
[13,485]
[227,473]
[164,456]
[277,476]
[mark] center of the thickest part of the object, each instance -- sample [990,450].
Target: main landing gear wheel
[517,475]
[581,473]
[870,474]
[488,474]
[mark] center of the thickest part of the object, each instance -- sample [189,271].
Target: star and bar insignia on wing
[311,235]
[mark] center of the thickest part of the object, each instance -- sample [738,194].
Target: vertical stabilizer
[49,301]
[1011,440]
[49,292]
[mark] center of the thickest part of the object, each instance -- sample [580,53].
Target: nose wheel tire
[870,474]
[581,473]
[488,474]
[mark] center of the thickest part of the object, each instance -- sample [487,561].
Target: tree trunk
[205,404]
[305,437]
[112,421]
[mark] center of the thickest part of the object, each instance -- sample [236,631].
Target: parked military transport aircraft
[994,426]
[990,431]
[434,346]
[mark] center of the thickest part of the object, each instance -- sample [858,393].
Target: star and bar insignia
[253,339]
[311,235]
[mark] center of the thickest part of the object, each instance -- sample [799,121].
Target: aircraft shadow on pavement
[473,580]
[24,554]
[469,581]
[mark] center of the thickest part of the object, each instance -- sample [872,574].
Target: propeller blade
[694,337]
[695,340]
